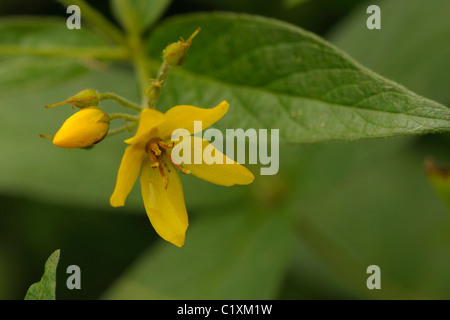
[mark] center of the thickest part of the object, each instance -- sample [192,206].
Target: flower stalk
[124,116]
[128,127]
[120,100]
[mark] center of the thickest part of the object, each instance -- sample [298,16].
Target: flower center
[159,152]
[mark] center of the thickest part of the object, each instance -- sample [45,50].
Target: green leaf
[411,47]
[138,14]
[45,32]
[293,3]
[276,75]
[31,51]
[22,74]
[45,289]
[244,258]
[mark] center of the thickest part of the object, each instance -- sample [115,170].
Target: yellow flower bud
[175,52]
[83,99]
[83,129]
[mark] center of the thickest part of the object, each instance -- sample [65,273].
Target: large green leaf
[240,255]
[411,47]
[45,289]
[138,14]
[276,75]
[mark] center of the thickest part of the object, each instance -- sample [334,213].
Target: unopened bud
[83,129]
[153,91]
[83,99]
[175,52]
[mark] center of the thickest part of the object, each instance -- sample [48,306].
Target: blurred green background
[309,232]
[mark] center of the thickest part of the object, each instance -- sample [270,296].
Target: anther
[179,167]
[164,145]
[154,147]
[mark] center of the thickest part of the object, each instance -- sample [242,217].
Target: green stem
[129,21]
[135,45]
[124,116]
[127,127]
[162,72]
[140,65]
[120,100]
[136,48]
[157,83]
[103,53]
[98,21]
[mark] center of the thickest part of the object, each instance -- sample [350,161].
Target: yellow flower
[83,129]
[149,153]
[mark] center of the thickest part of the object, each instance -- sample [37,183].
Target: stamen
[152,156]
[153,152]
[179,167]
[165,163]
[155,148]
[164,145]
[165,180]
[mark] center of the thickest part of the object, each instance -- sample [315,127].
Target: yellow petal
[148,119]
[128,173]
[83,129]
[222,170]
[183,117]
[165,206]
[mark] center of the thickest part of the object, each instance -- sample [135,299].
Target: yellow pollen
[154,147]
[164,145]
[158,157]
[154,152]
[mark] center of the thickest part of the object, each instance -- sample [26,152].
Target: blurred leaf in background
[411,48]
[238,254]
[141,13]
[440,178]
